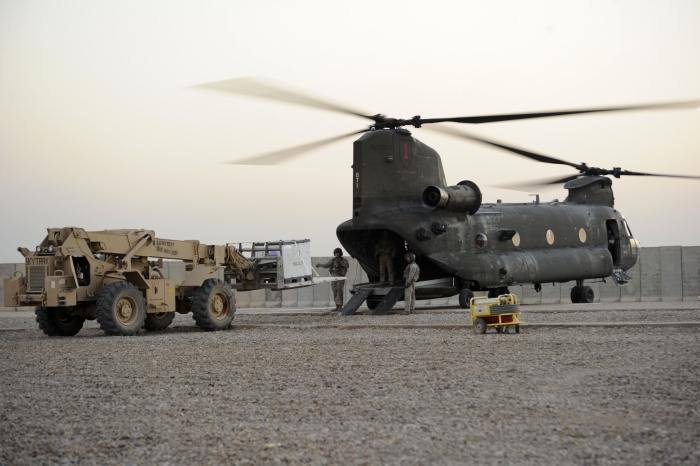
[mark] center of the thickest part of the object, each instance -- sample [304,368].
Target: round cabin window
[481,240]
[516,239]
[550,236]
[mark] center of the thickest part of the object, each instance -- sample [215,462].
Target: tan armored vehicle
[110,276]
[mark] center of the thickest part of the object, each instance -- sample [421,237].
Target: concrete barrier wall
[690,260]
[7,270]
[667,273]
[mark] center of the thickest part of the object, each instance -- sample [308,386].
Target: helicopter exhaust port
[465,196]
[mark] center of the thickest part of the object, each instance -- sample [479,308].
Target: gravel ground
[271,395]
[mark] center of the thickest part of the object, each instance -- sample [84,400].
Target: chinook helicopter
[461,244]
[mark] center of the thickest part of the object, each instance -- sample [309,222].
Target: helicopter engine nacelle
[465,196]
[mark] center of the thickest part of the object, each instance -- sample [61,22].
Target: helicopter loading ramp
[385,299]
[388,302]
[381,298]
[356,301]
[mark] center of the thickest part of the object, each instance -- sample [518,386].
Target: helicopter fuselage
[399,187]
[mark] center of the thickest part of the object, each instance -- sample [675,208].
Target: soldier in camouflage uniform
[411,276]
[338,267]
[385,251]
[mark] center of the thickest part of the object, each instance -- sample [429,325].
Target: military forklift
[111,276]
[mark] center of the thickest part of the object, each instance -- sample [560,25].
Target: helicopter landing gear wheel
[479,326]
[586,295]
[373,303]
[497,292]
[576,294]
[465,297]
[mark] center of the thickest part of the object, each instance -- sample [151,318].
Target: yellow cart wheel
[479,326]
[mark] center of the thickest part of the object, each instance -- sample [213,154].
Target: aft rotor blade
[256,88]
[515,150]
[285,155]
[526,116]
[526,185]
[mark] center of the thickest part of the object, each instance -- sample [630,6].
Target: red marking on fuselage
[405,151]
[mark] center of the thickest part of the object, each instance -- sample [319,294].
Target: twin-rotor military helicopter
[461,244]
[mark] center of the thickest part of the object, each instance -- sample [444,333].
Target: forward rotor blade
[526,185]
[285,155]
[628,173]
[515,150]
[256,88]
[526,116]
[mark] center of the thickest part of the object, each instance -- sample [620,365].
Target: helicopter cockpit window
[626,228]
[481,240]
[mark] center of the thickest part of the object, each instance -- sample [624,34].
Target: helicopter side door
[613,234]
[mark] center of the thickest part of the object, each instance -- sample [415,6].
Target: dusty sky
[98,130]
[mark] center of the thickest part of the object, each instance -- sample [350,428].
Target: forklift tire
[479,326]
[213,305]
[464,297]
[57,322]
[576,294]
[158,321]
[121,309]
[587,295]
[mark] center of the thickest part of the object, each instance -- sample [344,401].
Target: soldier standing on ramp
[338,266]
[385,251]
[411,276]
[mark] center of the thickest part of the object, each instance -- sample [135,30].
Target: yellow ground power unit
[500,313]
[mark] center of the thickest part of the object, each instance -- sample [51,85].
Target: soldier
[411,276]
[385,250]
[338,267]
